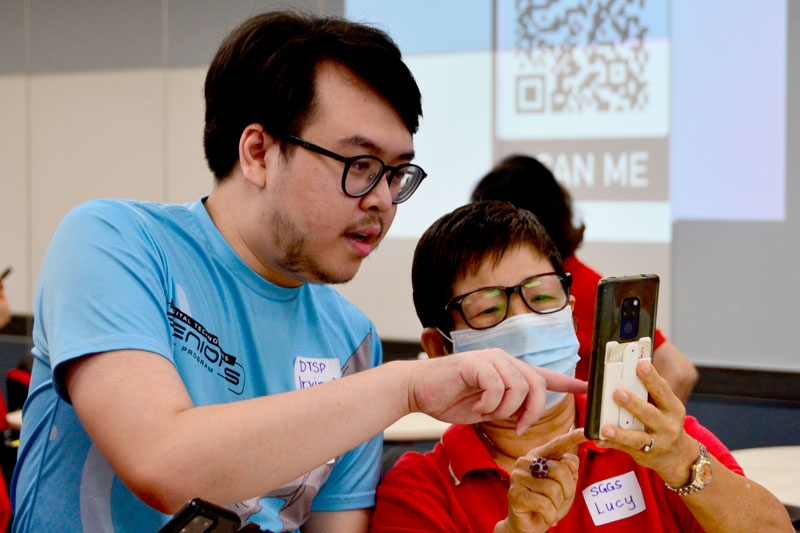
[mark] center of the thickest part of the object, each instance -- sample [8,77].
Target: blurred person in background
[5,308]
[5,504]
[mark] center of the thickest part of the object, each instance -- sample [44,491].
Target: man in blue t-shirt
[196,350]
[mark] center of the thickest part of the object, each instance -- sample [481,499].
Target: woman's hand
[670,451]
[536,504]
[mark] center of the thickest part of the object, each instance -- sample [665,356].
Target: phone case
[200,516]
[624,326]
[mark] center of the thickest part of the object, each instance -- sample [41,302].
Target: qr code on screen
[581,55]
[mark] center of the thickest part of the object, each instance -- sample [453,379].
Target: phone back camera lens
[628,328]
[629,323]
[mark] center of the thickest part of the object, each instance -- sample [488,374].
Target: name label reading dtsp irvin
[310,371]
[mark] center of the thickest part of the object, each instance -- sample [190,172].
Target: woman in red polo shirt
[488,276]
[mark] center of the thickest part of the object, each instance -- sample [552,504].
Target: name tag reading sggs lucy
[310,371]
[614,498]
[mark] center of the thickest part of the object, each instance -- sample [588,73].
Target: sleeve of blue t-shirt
[352,482]
[102,287]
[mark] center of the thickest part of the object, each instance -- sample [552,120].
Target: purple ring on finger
[539,468]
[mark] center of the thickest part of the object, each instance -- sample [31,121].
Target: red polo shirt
[458,488]
[584,289]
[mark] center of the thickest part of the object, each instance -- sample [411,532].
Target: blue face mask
[546,341]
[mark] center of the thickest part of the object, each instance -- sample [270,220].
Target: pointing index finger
[556,381]
[560,445]
[533,406]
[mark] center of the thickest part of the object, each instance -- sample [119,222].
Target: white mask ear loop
[444,335]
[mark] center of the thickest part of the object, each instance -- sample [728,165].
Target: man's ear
[434,343]
[254,144]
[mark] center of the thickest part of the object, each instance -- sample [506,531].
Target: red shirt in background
[584,289]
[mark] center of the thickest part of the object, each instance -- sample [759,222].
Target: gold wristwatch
[701,474]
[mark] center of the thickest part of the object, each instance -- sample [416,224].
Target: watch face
[703,471]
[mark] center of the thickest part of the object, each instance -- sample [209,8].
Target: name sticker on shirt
[310,371]
[614,498]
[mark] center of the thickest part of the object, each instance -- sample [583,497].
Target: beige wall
[103,98]
[14,189]
[71,137]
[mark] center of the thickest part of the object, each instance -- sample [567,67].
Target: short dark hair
[264,73]
[527,183]
[456,245]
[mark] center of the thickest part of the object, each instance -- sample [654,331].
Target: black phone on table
[624,327]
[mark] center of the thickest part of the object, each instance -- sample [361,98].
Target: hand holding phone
[624,326]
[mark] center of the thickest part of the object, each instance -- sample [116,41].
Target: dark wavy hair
[456,245]
[526,183]
[264,73]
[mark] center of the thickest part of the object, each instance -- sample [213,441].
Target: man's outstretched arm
[136,409]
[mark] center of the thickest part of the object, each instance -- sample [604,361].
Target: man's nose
[380,197]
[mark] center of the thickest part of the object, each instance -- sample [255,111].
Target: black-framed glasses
[488,306]
[363,172]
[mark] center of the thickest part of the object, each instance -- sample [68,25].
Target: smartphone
[624,326]
[5,273]
[200,516]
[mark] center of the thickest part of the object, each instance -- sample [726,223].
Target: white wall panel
[382,289]
[14,228]
[188,176]
[454,142]
[93,135]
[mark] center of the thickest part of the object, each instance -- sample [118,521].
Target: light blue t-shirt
[161,278]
